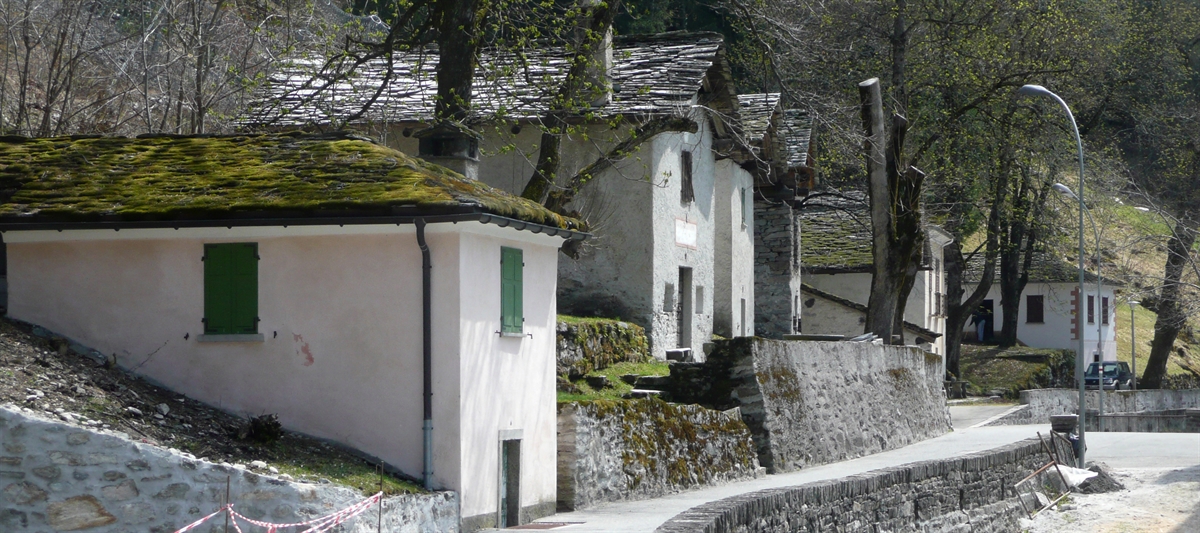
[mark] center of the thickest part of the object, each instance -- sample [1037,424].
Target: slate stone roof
[757,112]
[165,179]
[1046,267]
[651,74]
[797,134]
[835,234]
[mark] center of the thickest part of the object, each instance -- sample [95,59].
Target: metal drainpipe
[427,351]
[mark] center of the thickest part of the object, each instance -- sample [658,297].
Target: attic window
[686,194]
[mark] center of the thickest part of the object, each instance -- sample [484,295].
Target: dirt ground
[1155,500]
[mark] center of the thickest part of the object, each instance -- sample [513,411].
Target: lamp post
[1133,340]
[1066,191]
[1038,90]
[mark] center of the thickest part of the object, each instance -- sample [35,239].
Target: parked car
[1116,376]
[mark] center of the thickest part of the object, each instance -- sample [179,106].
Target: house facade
[362,296]
[673,231]
[1046,316]
[837,260]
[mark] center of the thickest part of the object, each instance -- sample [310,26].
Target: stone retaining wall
[973,493]
[68,478]
[594,344]
[1041,403]
[809,402]
[638,449]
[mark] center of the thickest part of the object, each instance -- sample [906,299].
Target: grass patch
[617,387]
[577,320]
[314,467]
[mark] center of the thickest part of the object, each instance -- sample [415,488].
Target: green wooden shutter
[230,288]
[512,267]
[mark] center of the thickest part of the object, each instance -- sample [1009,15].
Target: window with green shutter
[512,315]
[230,288]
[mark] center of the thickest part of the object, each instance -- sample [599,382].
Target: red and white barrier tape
[316,525]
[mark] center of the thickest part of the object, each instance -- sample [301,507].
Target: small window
[512,272]
[231,288]
[1104,310]
[1035,309]
[687,194]
[1091,310]
[699,300]
[746,208]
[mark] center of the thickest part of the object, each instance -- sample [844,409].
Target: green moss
[679,445]
[181,178]
[613,373]
[588,344]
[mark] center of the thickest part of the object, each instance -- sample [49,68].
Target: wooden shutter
[687,192]
[230,288]
[512,273]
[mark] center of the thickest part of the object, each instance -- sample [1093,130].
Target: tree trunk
[457,46]
[1171,317]
[958,311]
[884,284]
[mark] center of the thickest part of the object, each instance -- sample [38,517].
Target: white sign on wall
[686,233]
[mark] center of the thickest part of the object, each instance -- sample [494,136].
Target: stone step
[642,393]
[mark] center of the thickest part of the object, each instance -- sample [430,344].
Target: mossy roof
[1045,267]
[835,234]
[213,178]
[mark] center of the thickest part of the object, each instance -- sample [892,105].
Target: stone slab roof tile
[797,135]
[651,74]
[836,233]
[756,112]
[1046,267]
[205,178]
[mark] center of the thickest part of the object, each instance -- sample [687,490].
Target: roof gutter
[470,216]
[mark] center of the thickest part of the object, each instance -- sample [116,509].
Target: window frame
[1041,308]
[1091,309]
[512,287]
[1104,310]
[231,271]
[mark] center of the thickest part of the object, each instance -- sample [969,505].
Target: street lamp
[1038,90]
[1066,191]
[1133,340]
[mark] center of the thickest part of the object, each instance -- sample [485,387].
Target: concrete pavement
[1119,450]
[968,415]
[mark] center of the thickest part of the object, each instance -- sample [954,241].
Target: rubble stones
[78,512]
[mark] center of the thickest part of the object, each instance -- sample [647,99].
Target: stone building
[779,141]
[837,261]
[673,245]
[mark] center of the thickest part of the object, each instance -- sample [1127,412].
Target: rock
[597,382]
[24,493]
[79,512]
[272,470]
[125,490]
[173,491]
[642,393]
[163,409]
[258,464]
[630,378]
[134,410]
[78,438]
[49,473]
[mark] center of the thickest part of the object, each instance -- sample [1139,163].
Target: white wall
[856,287]
[734,251]
[340,312]
[1055,331]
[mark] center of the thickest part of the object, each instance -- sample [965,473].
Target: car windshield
[1110,370]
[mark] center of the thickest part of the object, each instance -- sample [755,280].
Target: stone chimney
[598,77]
[451,146]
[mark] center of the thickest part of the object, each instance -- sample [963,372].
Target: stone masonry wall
[776,270]
[633,450]
[60,477]
[973,493]
[591,344]
[1039,404]
[809,403]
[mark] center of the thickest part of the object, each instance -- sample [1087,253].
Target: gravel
[1155,500]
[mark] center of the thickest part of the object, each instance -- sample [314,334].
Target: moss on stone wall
[667,447]
[587,344]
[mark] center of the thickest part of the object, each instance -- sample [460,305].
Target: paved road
[965,416]
[1152,449]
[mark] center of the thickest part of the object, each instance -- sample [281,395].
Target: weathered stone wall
[972,494]
[594,344]
[633,450]
[776,268]
[810,403]
[1041,403]
[66,478]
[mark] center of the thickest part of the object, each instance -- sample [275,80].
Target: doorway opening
[684,312]
[510,483]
